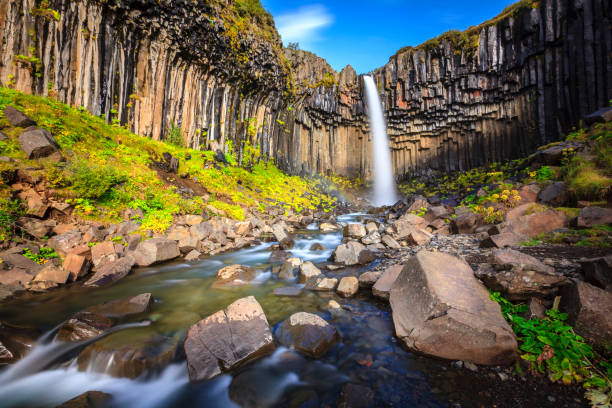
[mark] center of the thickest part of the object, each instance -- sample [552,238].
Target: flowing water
[368,353]
[385,190]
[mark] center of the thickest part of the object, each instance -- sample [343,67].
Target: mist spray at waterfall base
[385,190]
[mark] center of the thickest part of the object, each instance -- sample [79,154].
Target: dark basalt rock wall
[150,64]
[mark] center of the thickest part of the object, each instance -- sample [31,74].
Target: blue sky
[366,33]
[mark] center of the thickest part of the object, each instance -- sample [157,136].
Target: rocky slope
[455,102]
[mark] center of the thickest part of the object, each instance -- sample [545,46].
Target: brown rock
[89,399]
[529,193]
[76,265]
[17,340]
[588,309]
[111,272]
[289,269]
[120,308]
[591,216]
[353,253]
[307,333]
[322,284]
[440,309]
[390,242]
[348,286]
[17,118]
[598,271]
[368,279]
[355,231]
[83,326]
[465,221]
[37,143]
[64,243]
[227,339]
[534,224]
[308,271]
[505,239]
[103,253]
[155,250]
[52,273]
[382,287]
[14,276]
[234,275]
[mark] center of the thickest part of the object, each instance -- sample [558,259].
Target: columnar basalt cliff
[456,102]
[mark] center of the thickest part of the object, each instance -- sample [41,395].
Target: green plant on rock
[544,173]
[43,256]
[174,136]
[551,347]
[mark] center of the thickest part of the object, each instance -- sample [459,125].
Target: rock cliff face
[519,81]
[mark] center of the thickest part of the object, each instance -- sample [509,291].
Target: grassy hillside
[109,169]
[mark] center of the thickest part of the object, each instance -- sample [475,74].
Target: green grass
[109,169]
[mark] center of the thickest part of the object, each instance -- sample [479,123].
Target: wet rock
[83,326]
[290,268]
[120,308]
[193,256]
[8,291]
[227,339]
[122,355]
[591,216]
[155,250]
[322,284]
[356,396]
[64,243]
[588,309]
[598,271]
[348,286]
[112,272]
[440,309]
[355,231]
[37,143]
[103,253]
[288,291]
[234,275]
[390,242]
[308,271]
[328,227]
[17,341]
[368,279]
[282,236]
[17,118]
[554,194]
[52,273]
[307,333]
[353,253]
[89,399]
[505,239]
[277,256]
[317,247]
[382,287]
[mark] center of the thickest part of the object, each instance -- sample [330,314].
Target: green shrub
[175,135]
[43,255]
[92,182]
[544,173]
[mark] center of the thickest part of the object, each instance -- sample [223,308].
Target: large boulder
[37,143]
[64,243]
[519,276]
[155,250]
[382,287]
[76,265]
[554,194]
[111,272]
[406,224]
[103,253]
[588,309]
[83,326]
[529,193]
[532,220]
[465,221]
[353,253]
[227,339]
[307,333]
[120,308]
[308,270]
[591,216]
[440,309]
[16,342]
[18,118]
[52,273]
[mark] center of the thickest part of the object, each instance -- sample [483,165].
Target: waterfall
[384,182]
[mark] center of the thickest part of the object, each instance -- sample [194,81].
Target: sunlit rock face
[521,83]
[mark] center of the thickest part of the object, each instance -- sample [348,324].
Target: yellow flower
[504,197]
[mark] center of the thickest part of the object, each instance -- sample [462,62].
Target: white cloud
[303,25]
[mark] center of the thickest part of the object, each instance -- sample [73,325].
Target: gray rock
[290,268]
[307,333]
[63,243]
[18,118]
[232,275]
[322,284]
[308,271]
[37,143]
[282,236]
[591,216]
[353,253]
[103,253]
[111,272]
[368,279]
[390,242]
[598,271]
[348,286]
[193,256]
[227,339]
[440,309]
[383,285]
[355,231]
[554,194]
[155,250]
[124,307]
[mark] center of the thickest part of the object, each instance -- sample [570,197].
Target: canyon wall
[152,65]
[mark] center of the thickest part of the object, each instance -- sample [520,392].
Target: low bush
[91,181]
